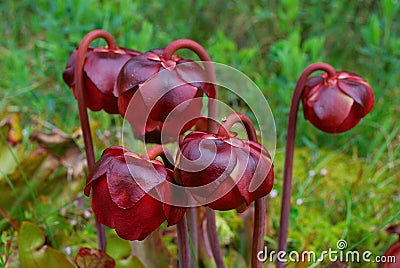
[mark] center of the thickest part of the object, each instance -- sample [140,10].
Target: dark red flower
[124,187]
[230,172]
[153,88]
[336,104]
[392,254]
[101,69]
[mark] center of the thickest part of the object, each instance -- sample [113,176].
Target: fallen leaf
[64,147]
[93,258]
[13,123]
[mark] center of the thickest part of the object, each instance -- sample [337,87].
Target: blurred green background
[354,197]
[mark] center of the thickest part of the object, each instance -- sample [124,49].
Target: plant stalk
[183,243]
[213,238]
[192,225]
[289,152]
[181,226]
[259,204]
[212,128]
[83,114]
[155,151]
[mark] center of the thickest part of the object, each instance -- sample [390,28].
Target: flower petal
[137,222]
[361,92]
[192,73]
[173,214]
[216,163]
[95,100]
[100,167]
[68,74]
[170,195]
[313,84]
[351,120]
[246,167]
[102,68]
[182,118]
[332,107]
[135,71]
[102,205]
[177,99]
[147,173]
[124,190]
[229,196]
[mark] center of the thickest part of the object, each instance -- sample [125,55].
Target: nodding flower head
[226,172]
[100,71]
[336,104]
[124,186]
[152,89]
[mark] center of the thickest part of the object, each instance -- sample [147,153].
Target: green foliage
[269,41]
[33,252]
[227,223]
[336,197]
[121,251]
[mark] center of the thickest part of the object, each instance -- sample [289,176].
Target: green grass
[271,42]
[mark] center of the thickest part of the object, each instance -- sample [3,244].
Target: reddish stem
[154,152]
[191,213]
[181,226]
[259,230]
[259,204]
[80,89]
[213,237]
[234,118]
[183,243]
[205,251]
[212,128]
[83,115]
[289,152]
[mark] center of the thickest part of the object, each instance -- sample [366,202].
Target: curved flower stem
[289,152]
[157,150]
[161,151]
[212,128]
[181,226]
[234,118]
[259,204]
[80,89]
[83,115]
